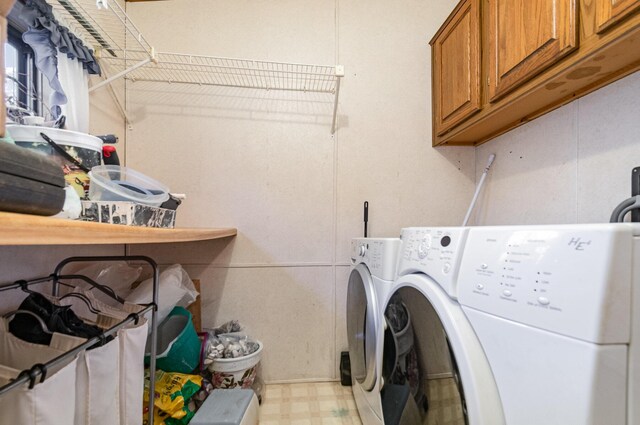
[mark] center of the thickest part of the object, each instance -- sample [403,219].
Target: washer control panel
[572,279]
[434,251]
[380,255]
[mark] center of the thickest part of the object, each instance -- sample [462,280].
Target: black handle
[64,153]
[110,155]
[366,217]
[109,139]
[112,159]
[635,191]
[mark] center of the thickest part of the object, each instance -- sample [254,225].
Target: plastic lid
[31,133]
[113,182]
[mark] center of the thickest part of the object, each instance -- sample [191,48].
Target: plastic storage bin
[116,183]
[228,407]
[178,344]
[128,214]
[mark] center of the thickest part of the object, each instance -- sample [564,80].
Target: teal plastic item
[178,347]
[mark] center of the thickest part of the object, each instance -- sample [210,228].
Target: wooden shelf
[21,229]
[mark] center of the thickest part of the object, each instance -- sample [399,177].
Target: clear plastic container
[115,183]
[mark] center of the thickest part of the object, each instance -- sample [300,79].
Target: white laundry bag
[130,362]
[51,402]
[132,343]
[98,385]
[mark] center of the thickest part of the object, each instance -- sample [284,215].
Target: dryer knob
[362,251]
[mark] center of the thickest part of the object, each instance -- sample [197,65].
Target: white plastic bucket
[236,373]
[85,148]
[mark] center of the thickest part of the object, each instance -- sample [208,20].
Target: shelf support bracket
[339,75]
[121,108]
[120,74]
[117,101]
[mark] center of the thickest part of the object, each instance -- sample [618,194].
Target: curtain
[75,82]
[49,40]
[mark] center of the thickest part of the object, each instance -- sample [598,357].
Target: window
[23,88]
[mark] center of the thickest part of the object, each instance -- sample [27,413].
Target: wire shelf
[102,24]
[231,72]
[122,51]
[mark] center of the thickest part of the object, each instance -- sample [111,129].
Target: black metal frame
[635,191]
[28,74]
[40,370]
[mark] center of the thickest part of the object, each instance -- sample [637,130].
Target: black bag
[30,183]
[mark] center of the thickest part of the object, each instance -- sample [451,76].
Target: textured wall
[266,163]
[572,165]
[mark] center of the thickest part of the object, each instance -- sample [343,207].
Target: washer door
[440,372]
[362,325]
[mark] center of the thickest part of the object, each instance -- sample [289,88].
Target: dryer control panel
[434,251]
[380,255]
[571,279]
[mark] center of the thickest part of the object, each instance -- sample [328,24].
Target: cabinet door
[526,37]
[456,67]
[610,12]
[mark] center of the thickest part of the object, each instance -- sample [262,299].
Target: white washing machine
[434,368]
[374,268]
[517,325]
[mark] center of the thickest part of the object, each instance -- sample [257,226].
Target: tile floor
[318,403]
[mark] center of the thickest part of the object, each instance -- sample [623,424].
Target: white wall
[572,165]
[266,163]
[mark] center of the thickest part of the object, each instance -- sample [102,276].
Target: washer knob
[446,268]
[424,247]
[362,251]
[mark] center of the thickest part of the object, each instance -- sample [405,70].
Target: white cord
[478,188]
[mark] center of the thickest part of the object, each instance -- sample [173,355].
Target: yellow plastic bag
[172,394]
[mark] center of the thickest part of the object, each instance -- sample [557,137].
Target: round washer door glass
[361,327]
[420,371]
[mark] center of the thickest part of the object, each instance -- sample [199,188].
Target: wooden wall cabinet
[610,12]
[536,55]
[456,67]
[525,38]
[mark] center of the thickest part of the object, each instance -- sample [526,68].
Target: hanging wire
[15,95]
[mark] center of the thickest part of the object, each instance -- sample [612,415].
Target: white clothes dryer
[374,262]
[557,312]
